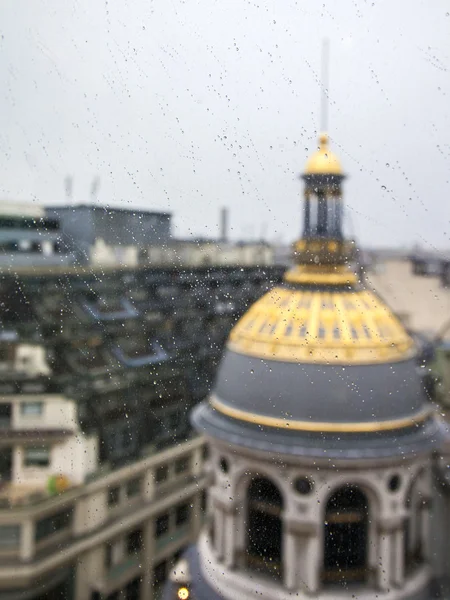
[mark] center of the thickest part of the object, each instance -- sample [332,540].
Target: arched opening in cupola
[264,528]
[346,537]
[413,536]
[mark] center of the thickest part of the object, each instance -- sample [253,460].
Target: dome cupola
[320,431]
[320,353]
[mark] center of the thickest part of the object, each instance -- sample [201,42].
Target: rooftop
[106,208]
[422,303]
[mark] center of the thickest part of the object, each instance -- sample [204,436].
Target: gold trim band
[320,355]
[322,276]
[372,426]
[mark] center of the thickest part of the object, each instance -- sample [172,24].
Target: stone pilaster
[385,553]
[219,523]
[229,540]
[424,527]
[299,542]
[290,557]
[399,556]
[313,565]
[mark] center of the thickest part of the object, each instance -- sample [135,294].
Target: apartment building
[101,483]
[112,536]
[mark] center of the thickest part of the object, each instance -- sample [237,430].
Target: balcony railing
[16,496]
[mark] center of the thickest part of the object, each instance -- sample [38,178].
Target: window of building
[113,496]
[114,553]
[182,514]
[4,354]
[5,414]
[173,420]
[31,409]
[162,473]
[133,590]
[134,487]
[161,525]
[7,353]
[99,596]
[53,524]
[9,536]
[37,456]
[182,465]
[159,574]
[134,541]
[120,441]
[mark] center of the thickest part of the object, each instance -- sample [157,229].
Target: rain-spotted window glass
[224,300]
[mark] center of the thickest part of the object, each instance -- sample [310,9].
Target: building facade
[29,236]
[101,475]
[96,234]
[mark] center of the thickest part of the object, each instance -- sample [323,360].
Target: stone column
[399,556]
[229,539]
[301,553]
[385,554]
[313,564]
[219,523]
[424,527]
[290,560]
[240,535]
[225,522]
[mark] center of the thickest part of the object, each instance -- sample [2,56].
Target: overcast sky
[191,105]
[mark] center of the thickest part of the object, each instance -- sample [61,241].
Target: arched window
[346,537]
[264,527]
[413,538]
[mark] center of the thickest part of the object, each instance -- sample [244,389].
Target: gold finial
[323,139]
[323,161]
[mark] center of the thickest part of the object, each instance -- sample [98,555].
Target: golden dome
[323,161]
[321,326]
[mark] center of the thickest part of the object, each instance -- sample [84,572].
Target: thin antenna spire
[324,86]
